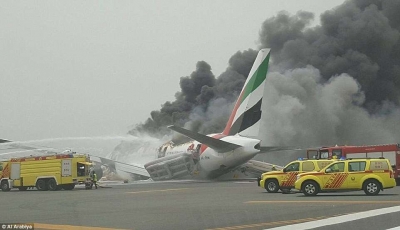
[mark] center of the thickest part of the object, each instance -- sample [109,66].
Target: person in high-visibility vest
[94,179]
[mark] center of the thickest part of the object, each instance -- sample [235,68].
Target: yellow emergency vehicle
[285,178]
[370,175]
[51,172]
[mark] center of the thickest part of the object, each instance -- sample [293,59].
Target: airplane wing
[258,167]
[218,145]
[120,166]
[223,146]
[16,149]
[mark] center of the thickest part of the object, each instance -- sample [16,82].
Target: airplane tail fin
[246,115]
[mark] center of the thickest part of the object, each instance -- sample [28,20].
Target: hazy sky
[95,68]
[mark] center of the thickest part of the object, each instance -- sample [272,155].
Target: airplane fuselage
[211,163]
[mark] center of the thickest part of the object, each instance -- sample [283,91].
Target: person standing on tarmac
[94,179]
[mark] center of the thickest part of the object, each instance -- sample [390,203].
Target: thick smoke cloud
[204,102]
[336,83]
[196,90]
[302,109]
[360,38]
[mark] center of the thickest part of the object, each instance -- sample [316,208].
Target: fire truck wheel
[272,186]
[52,184]
[371,187]
[58,187]
[41,185]
[5,187]
[68,186]
[23,188]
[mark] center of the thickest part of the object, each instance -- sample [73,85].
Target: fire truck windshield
[324,154]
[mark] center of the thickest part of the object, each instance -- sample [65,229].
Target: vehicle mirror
[328,170]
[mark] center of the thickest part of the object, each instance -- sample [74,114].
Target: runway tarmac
[193,205]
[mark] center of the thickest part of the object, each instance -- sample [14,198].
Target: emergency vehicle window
[379,165]
[293,167]
[338,167]
[1,167]
[337,152]
[324,154]
[312,154]
[81,169]
[357,166]
[323,164]
[308,166]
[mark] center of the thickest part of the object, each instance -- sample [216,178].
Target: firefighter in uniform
[94,179]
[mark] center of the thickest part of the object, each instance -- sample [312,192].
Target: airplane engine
[171,167]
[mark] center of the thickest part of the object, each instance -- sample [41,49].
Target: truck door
[291,172]
[334,176]
[66,168]
[355,168]
[15,171]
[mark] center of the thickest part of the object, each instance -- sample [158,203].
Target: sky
[97,68]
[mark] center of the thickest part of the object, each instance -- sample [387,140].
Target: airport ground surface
[193,205]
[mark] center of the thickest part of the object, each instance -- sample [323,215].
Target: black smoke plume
[335,83]
[204,102]
[360,38]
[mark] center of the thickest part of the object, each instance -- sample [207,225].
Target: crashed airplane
[214,155]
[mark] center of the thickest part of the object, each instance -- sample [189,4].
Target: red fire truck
[390,152]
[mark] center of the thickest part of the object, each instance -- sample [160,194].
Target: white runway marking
[395,228]
[340,219]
